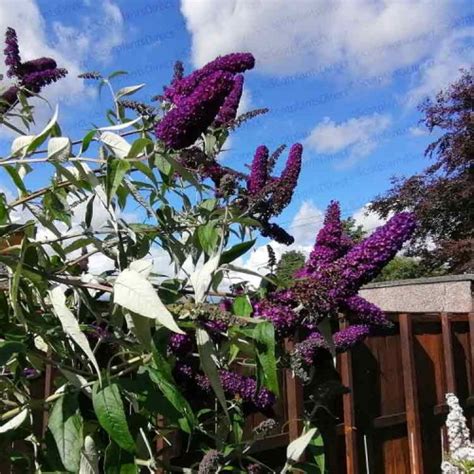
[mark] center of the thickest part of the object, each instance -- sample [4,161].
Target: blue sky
[341,77]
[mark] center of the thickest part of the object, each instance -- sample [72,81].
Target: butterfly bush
[460,457]
[31,75]
[135,343]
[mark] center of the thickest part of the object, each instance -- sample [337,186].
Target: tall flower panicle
[258,171]
[37,65]
[282,316]
[288,180]
[365,260]
[35,81]
[33,75]
[232,63]
[331,242]
[12,52]
[361,310]
[228,111]
[182,125]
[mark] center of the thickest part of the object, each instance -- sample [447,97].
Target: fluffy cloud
[455,52]
[363,36]
[101,29]
[358,136]
[367,219]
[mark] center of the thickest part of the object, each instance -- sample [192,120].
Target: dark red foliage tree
[442,196]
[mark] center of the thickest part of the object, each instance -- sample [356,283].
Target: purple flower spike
[347,338]
[283,318]
[365,261]
[331,242]
[12,52]
[37,80]
[232,63]
[275,232]
[288,180]
[360,309]
[258,171]
[8,98]
[228,111]
[180,344]
[184,124]
[37,65]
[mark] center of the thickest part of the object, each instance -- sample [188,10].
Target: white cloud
[306,224]
[367,219]
[365,36]
[357,135]
[101,29]
[455,52]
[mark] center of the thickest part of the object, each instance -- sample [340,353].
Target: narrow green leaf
[236,251]
[110,412]
[138,146]
[16,178]
[66,426]
[208,362]
[115,173]
[160,376]
[264,334]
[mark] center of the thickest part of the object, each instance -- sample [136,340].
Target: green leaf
[8,348]
[316,449]
[86,141]
[236,251]
[159,375]
[39,139]
[208,236]
[15,176]
[66,426]
[264,334]
[241,306]
[208,360]
[115,173]
[116,73]
[110,412]
[138,146]
[118,461]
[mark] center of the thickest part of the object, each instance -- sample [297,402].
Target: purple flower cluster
[183,125]
[246,388]
[288,180]
[210,462]
[228,111]
[232,63]
[360,310]
[12,52]
[333,274]
[33,75]
[331,242]
[365,261]
[209,94]
[304,354]
[258,171]
[180,345]
[280,315]
[233,384]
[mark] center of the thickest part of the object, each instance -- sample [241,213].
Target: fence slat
[411,395]
[448,353]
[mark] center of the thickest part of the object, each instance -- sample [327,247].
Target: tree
[287,266]
[355,231]
[442,195]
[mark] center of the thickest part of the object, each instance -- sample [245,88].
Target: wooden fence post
[350,430]
[411,395]
[448,353]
